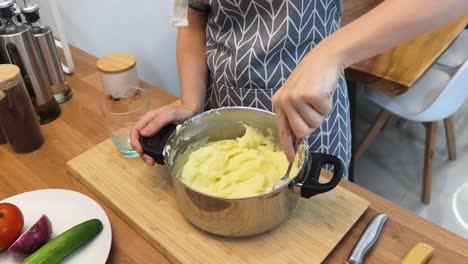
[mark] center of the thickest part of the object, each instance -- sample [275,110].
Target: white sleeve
[179,13]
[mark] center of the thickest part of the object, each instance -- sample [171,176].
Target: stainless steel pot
[241,216]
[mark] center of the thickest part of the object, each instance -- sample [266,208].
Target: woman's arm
[387,25]
[191,60]
[305,98]
[193,75]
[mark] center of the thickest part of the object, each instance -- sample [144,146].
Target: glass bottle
[18,46]
[46,43]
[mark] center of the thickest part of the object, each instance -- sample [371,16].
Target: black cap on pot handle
[311,185]
[154,146]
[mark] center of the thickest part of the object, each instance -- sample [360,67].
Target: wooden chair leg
[450,136]
[431,130]
[382,118]
[385,125]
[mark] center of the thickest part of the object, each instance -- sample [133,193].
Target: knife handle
[367,239]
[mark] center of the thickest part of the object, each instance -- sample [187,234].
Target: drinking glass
[121,114]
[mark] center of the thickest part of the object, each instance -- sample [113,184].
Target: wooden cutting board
[143,197]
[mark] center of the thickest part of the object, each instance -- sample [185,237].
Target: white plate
[65,209]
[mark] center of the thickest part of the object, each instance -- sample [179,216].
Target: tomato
[11,224]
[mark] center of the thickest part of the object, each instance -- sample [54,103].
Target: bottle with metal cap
[46,43]
[17,118]
[17,46]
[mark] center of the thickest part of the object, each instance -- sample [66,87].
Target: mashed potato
[235,168]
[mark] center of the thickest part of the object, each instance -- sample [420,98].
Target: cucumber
[58,248]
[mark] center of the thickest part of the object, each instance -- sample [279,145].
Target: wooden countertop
[395,71]
[81,127]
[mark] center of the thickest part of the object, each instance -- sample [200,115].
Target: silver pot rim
[216,111]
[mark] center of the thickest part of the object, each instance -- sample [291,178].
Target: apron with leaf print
[254,45]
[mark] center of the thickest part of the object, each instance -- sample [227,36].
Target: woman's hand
[306,97]
[153,121]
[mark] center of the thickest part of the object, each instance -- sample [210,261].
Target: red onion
[33,238]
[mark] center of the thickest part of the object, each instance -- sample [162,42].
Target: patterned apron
[254,45]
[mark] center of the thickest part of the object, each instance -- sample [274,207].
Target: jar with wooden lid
[2,138]
[18,120]
[118,72]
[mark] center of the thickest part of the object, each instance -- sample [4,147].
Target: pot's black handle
[154,146]
[311,185]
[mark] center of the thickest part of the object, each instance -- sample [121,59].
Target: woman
[287,56]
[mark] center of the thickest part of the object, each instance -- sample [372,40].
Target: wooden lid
[116,63]
[9,75]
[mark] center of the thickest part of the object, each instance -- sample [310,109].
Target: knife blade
[367,239]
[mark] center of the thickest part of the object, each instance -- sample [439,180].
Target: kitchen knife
[367,239]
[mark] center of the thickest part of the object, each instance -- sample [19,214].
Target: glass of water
[121,114]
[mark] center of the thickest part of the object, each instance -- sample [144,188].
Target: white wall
[141,28]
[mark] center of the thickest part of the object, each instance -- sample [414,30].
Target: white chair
[436,96]
[457,53]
